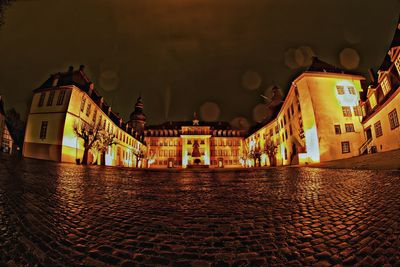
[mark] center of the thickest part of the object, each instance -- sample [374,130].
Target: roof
[318,65]
[396,38]
[2,106]
[176,125]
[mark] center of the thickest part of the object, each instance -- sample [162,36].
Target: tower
[137,118]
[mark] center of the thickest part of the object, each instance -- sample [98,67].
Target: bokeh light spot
[290,58]
[261,112]
[251,80]
[209,111]
[349,58]
[108,77]
[240,123]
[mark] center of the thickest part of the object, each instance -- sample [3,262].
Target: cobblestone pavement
[59,214]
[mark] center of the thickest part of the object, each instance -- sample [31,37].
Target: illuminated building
[6,141]
[319,120]
[194,143]
[66,101]
[382,103]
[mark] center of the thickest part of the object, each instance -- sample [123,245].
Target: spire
[195,119]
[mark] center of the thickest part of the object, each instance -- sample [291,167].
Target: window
[372,100]
[60,99]
[277,129]
[393,119]
[352,90]
[271,132]
[385,86]
[346,111]
[94,115]
[83,104]
[340,89]
[378,129]
[50,99]
[89,106]
[345,147]
[338,130]
[357,111]
[349,127]
[43,130]
[397,63]
[41,99]
[290,130]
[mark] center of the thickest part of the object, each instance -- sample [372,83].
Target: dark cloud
[181,54]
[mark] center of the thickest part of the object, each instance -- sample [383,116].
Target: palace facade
[68,102]
[187,144]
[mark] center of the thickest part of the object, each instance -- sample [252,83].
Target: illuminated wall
[62,144]
[304,129]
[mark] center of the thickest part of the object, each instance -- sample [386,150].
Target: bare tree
[140,155]
[89,134]
[271,149]
[103,142]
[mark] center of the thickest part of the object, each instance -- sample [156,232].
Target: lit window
[378,129]
[345,147]
[43,130]
[338,130]
[346,111]
[357,111]
[372,100]
[349,127]
[393,119]
[60,99]
[352,90]
[41,99]
[340,89]
[50,99]
[397,63]
[83,104]
[385,86]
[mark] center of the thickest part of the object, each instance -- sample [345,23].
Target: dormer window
[372,100]
[385,85]
[397,63]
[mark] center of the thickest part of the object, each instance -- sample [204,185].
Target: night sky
[215,57]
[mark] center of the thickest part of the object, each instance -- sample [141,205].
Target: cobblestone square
[61,214]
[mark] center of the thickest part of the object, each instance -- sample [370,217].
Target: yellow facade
[174,148]
[304,129]
[50,129]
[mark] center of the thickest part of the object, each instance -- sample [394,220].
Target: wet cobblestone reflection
[58,214]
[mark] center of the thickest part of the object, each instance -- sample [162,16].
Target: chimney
[109,111]
[372,75]
[91,87]
[82,67]
[70,69]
